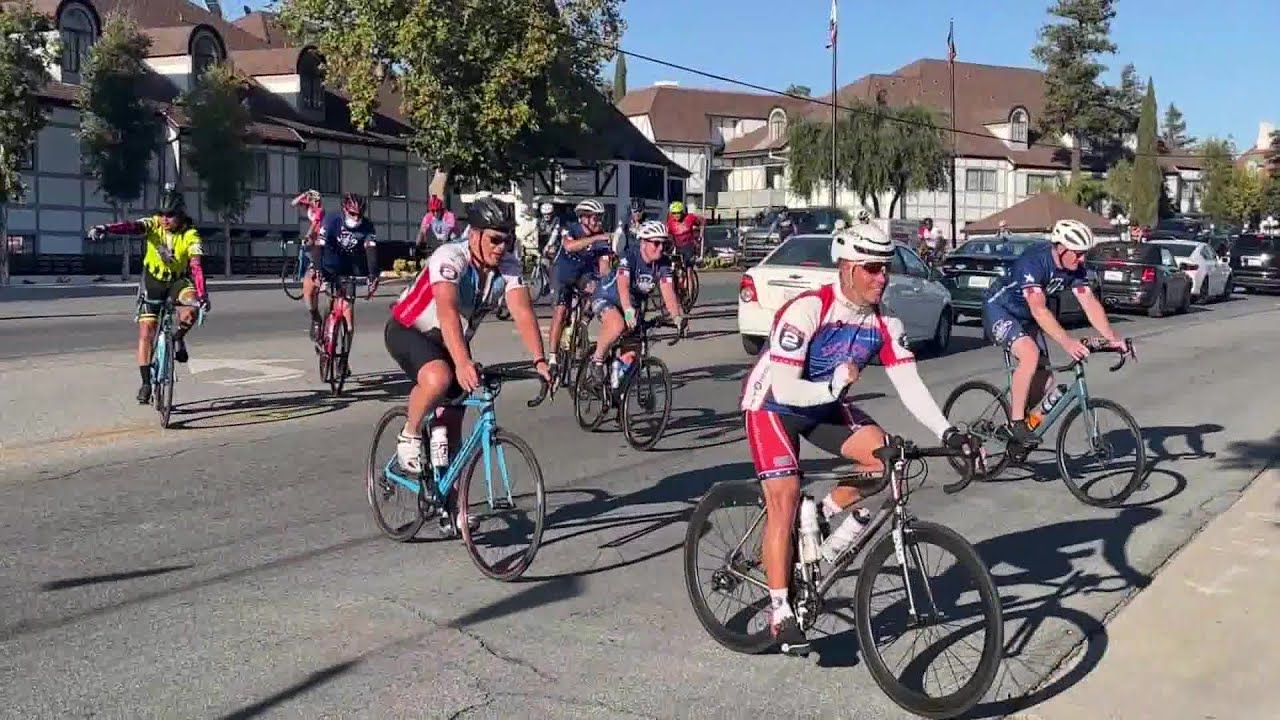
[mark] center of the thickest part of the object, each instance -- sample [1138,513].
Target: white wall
[692,158]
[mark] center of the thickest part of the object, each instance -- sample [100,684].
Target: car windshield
[1004,247]
[1247,244]
[1178,249]
[1125,252]
[812,251]
[810,221]
[719,236]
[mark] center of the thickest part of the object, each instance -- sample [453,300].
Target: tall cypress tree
[620,78]
[1147,177]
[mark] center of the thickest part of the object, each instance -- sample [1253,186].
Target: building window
[675,190]
[388,180]
[260,178]
[980,180]
[1041,183]
[204,55]
[28,161]
[1018,122]
[777,124]
[648,183]
[77,37]
[311,93]
[323,174]
[22,245]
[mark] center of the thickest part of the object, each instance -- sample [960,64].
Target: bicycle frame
[1077,393]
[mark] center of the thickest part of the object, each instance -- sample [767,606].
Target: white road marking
[261,371]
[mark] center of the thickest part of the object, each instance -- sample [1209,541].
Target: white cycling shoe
[409,453]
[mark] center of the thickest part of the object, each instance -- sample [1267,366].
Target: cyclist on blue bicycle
[334,254]
[819,344]
[641,267]
[1016,315]
[583,255]
[432,322]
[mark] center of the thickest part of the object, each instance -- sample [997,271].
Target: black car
[980,263]
[1255,262]
[1139,275]
[759,241]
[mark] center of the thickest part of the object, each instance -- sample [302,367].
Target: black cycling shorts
[412,350]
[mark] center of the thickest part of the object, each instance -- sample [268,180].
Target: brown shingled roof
[268,61]
[683,115]
[1038,213]
[264,26]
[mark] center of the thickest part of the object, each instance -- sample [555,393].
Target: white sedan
[803,262]
[1210,275]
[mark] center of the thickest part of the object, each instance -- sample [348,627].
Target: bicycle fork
[900,549]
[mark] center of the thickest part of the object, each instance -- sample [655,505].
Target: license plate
[1113,275]
[979,281]
[1252,262]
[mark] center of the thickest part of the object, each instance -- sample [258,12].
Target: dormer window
[1018,122]
[311,82]
[777,124]
[205,53]
[78,33]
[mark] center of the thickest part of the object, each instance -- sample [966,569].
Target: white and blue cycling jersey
[477,294]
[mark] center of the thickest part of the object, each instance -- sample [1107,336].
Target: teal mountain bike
[484,496]
[162,363]
[991,425]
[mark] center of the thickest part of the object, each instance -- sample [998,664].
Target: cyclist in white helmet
[584,250]
[819,344]
[1017,317]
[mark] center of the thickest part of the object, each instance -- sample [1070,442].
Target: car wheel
[753,345]
[1227,289]
[1186,301]
[1157,306]
[942,332]
[1202,297]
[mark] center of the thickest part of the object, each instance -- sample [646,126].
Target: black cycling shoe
[597,374]
[791,639]
[180,350]
[1021,433]
[144,394]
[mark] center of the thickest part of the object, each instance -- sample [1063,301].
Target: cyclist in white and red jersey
[819,344]
[432,322]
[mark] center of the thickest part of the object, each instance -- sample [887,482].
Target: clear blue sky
[1214,60]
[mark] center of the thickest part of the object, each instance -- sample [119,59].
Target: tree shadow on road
[1035,571]
[1251,454]
[68,583]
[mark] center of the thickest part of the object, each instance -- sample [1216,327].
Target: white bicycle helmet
[862,243]
[546,209]
[1073,235]
[589,206]
[864,216]
[651,230]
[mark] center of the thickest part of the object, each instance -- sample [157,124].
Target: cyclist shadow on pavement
[271,407]
[1036,572]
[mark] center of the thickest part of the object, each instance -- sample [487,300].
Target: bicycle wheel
[341,353]
[1103,448]
[381,475]
[644,383]
[585,398]
[691,288]
[162,388]
[290,276]
[734,556]
[927,595]
[992,415]
[494,503]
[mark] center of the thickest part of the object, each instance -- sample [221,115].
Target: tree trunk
[875,204]
[893,202]
[1075,157]
[124,248]
[226,246]
[4,245]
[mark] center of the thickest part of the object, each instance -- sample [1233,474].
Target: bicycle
[809,585]
[293,269]
[687,285]
[575,341]
[163,376]
[333,343]
[434,488]
[536,278]
[618,395]
[993,423]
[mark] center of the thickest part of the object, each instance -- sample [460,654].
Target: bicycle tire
[628,429]
[373,466]
[593,423]
[1139,468]
[692,286]
[341,353]
[290,279]
[323,356]
[908,699]
[725,494]
[960,465]
[501,437]
[166,387]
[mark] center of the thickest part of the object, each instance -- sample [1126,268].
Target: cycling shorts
[688,253]
[413,349]
[155,291]
[1004,329]
[567,278]
[774,437]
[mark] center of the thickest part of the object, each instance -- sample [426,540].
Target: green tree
[1119,184]
[1147,176]
[620,78]
[1075,102]
[25,47]
[1273,154]
[1084,190]
[1219,179]
[492,88]
[920,158]
[1173,130]
[801,90]
[119,129]
[217,147]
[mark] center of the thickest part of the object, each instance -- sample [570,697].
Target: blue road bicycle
[462,509]
[162,363]
[293,268]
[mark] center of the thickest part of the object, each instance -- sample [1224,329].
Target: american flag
[951,43]
[831,31]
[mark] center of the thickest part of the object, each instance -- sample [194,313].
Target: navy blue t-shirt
[583,258]
[1033,268]
[643,276]
[343,246]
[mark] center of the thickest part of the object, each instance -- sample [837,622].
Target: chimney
[1264,134]
[214,7]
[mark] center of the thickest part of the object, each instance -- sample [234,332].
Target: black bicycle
[575,341]
[631,390]
[926,603]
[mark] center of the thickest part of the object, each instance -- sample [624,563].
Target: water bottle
[615,372]
[440,447]
[810,542]
[624,366]
[1051,399]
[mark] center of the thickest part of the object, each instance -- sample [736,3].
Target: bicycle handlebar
[1100,345]
[492,378]
[898,448]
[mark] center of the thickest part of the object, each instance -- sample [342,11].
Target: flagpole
[834,102]
[951,64]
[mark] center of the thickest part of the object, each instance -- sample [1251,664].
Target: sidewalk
[1201,640]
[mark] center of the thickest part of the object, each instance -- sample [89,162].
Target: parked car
[973,267]
[721,241]
[1140,275]
[1255,262]
[803,262]
[1210,275]
[759,241]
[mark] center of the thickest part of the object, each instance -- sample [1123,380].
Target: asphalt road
[229,568]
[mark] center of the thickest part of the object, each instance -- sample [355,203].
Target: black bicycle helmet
[353,203]
[171,202]
[487,213]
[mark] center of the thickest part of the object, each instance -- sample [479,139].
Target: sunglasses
[495,238]
[659,243]
[875,268]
